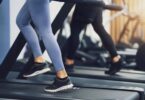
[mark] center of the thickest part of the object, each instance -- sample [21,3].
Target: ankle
[39,59]
[61,74]
[116,58]
[62,79]
[69,61]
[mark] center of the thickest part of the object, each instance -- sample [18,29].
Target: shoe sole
[60,89]
[112,73]
[38,72]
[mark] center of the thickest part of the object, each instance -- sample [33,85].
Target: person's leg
[107,42]
[73,41]
[23,22]
[76,26]
[39,11]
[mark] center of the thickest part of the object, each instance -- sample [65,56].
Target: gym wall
[135,7]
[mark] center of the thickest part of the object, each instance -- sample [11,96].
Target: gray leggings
[38,12]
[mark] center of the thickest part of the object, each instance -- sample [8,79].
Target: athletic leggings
[83,15]
[38,12]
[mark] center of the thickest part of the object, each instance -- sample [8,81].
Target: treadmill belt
[99,74]
[104,69]
[36,92]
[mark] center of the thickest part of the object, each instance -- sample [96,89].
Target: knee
[21,23]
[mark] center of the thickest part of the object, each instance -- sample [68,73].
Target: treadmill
[85,89]
[27,89]
[98,73]
[33,90]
